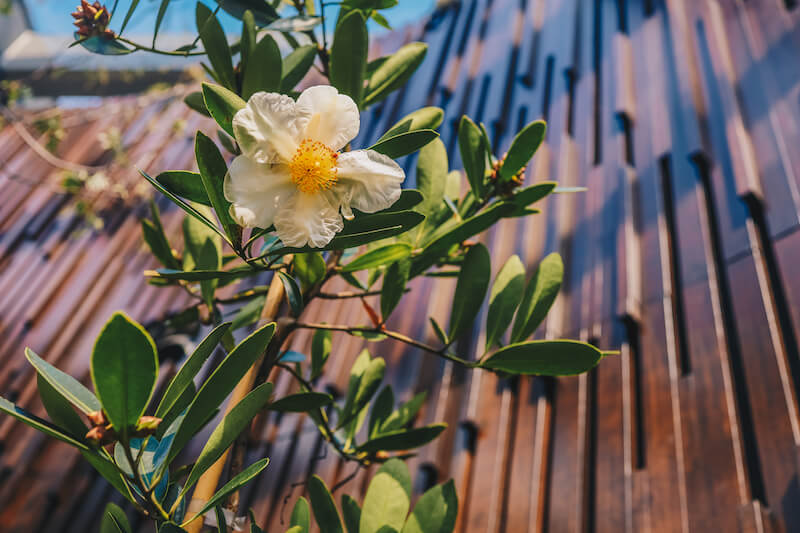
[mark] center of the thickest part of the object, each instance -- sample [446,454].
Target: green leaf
[473,154]
[212,171]
[348,56]
[309,268]
[222,276]
[186,184]
[231,486]
[459,233]
[426,118]
[265,69]
[162,10]
[540,294]
[409,198]
[405,414]
[131,9]
[293,293]
[222,104]
[324,508]
[473,281]
[437,329]
[100,44]
[366,384]
[545,358]
[394,286]
[64,384]
[432,177]
[431,181]
[435,511]
[404,143]
[203,251]
[39,424]
[394,72]
[529,195]
[185,376]
[379,257]
[364,229]
[403,439]
[381,410]
[351,513]
[504,298]
[296,65]
[216,45]
[183,205]
[301,515]
[226,432]
[320,351]
[59,409]
[222,522]
[387,500]
[298,23]
[156,239]
[124,370]
[248,40]
[263,12]
[522,149]
[219,384]
[301,402]
[114,520]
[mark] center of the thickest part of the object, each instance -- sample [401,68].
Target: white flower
[291,173]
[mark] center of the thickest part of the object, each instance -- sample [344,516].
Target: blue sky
[52,16]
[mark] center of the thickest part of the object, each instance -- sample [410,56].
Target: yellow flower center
[313,167]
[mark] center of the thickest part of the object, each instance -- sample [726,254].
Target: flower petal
[333,118]
[368,181]
[311,219]
[267,128]
[256,191]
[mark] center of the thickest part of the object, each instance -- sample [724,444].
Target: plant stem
[391,334]
[207,484]
[144,48]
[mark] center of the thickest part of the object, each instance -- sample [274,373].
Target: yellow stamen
[313,167]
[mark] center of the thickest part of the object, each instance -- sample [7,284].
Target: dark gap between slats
[445,53]
[597,59]
[548,86]
[529,78]
[742,396]
[512,383]
[590,461]
[637,402]
[499,125]
[676,297]
[777,291]
[626,126]
[790,4]
[546,386]
[467,441]
[649,7]
[622,16]
[570,75]
[427,477]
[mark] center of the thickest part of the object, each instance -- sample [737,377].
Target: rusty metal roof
[682,120]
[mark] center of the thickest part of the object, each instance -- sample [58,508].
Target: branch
[350,294]
[393,335]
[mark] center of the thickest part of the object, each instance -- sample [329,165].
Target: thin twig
[391,334]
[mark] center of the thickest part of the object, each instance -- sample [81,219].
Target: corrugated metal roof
[680,117]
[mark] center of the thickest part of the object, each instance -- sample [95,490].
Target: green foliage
[545,358]
[124,370]
[385,507]
[504,298]
[429,231]
[348,62]
[539,296]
